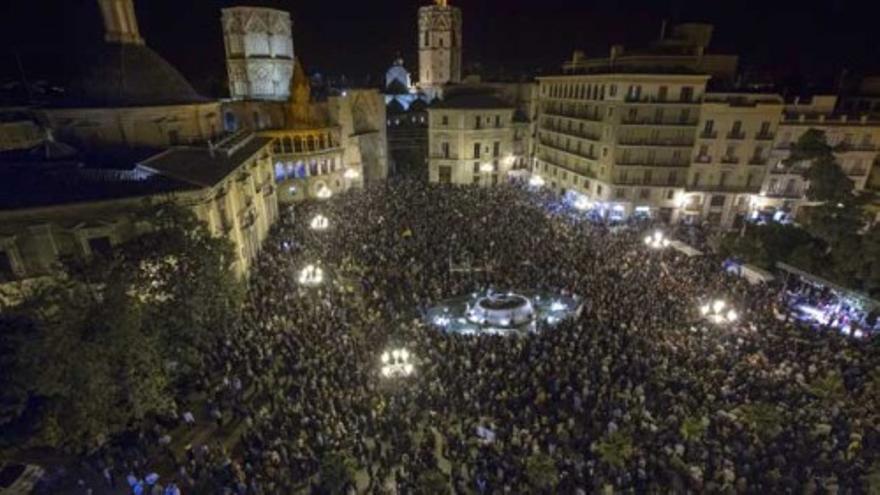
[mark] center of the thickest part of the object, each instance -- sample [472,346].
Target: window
[737,128]
[476,167]
[479,122]
[658,115]
[476,149]
[497,121]
[495,165]
[687,93]
[704,150]
[765,129]
[632,114]
[604,151]
[174,137]
[644,193]
[672,178]
[730,152]
[710,125]
[684,116]
[599,189]
[445,174]
[7,273]
[444,120]
[696,180]
[100,245]
[476,179]
[717,200]
[612,90]
[648,176]
[661,93]
[620,193]
[724,179]
[494,179]
[750,180]
[444,149]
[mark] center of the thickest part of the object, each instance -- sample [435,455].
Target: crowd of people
[636,394]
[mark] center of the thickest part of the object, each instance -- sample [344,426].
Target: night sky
[791,40]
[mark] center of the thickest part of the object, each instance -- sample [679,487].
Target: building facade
[471,139]
[259,52]
[440,46]
[731,156]
[623,141]
[229,186]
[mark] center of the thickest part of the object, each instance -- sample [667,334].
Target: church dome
[127,75]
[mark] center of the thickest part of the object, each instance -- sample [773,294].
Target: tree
[828,182]
[87,353]
[693,428]
[184,277]
[765,245]
[541,472]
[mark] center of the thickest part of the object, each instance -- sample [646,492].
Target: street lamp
[582,203]
[536,181]
[486,167]
[324,192]
[395,363]
[718,312]
[319,222]
[311,276]
[657,241]
[351,174]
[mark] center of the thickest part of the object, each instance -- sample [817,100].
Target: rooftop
[472,101]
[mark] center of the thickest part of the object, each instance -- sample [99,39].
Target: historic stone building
[55,206]
[439,47]
[259,52]
[475,137]
[321,147]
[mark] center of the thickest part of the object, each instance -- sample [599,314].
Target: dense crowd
[637,394]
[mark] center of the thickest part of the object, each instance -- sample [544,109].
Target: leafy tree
[433,482]
[337,472]
[828,182]
[829,388]
[764,245]
[85,354]
[541,472]
[616,449]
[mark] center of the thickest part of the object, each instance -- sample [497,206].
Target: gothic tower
[259,52]
[439,45]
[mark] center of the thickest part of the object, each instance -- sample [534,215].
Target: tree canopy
[101,343]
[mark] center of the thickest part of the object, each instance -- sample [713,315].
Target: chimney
[120,22]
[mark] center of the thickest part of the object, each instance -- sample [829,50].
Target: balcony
[646,163]
[595,116]
[673,143]
[729,160]
[651,121]
[562,149]
[736,135]
[723,188]
[571,133]
[708,134]
[764,136]
[787,192]
[655,100]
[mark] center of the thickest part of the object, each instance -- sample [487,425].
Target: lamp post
[536,181]
[718,312]
[319,222]
[396,363]
[582,203]
[324,192]
[657,240]
[311,276]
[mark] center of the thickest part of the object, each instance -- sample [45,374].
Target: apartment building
[622,140]
[731,155]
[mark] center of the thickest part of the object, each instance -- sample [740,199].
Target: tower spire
[120,22]
[441,3]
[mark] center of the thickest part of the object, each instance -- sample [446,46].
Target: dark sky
[806,38]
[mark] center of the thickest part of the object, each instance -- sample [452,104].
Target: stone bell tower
[439,45]
[120,22]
